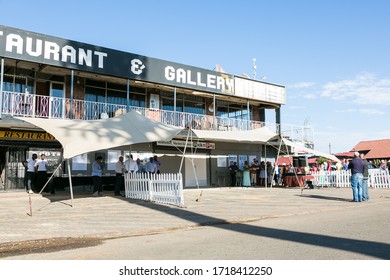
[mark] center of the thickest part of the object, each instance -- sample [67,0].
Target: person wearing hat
[357,169]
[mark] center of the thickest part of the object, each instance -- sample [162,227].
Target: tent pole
[295,171]
[277,157]
[128,164]
[52,175]
[266,173]
[193,165]
[70,182]
[184,151]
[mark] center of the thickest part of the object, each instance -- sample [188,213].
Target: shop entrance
[12,168]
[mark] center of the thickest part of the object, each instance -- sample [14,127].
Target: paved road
[223,224]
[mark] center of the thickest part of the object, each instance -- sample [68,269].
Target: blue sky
[332,56]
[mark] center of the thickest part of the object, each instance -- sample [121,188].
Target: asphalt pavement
[50,220]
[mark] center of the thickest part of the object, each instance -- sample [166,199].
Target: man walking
[357,169]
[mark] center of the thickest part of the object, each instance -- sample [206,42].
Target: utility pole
[254,69]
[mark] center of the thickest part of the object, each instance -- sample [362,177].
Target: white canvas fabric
[310,151]
[81,136]
[259,135]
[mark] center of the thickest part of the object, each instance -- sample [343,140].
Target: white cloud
[301,85]
[371,112]
[363,111]
[365,88]
[309,96]
[296,107]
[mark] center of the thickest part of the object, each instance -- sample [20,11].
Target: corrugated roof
[375,149]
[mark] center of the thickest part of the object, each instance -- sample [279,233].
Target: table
[298,180]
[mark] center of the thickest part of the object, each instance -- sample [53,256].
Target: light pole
[254,69]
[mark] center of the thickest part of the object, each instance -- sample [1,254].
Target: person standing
[119,171]
[150,167]
[356,165]
[30,173]
[157,164]
[277,173]
[263,173]
[140,166]
[131,165]
[41,168]
[253,172]
[246,181]
[97,177]
[365,196]
[233,168]
[345,164]
[270,173]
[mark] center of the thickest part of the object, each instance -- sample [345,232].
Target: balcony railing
[31,105]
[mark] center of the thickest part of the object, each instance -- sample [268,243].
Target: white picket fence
[342,179]
[163,188]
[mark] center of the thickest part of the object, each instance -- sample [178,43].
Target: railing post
[1,86]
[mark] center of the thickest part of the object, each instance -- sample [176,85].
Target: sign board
[47,50]
[181,143]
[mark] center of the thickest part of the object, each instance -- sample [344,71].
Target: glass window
[116,94]
[194,107]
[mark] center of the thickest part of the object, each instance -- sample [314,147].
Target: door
[195,170]
[14,168]
[57,100]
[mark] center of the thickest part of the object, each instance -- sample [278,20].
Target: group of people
[122,167]
[359,177]
[252,175]
[36,173]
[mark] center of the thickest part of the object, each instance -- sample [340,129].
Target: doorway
[57,100]
[195,170]
[14,170]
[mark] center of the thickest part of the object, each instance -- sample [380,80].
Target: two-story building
[49,77]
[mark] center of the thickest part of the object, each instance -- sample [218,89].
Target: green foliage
[321,160]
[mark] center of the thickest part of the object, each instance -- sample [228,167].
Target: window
[97,91]
[232,110]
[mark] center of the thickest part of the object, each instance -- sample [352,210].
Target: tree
[321,160]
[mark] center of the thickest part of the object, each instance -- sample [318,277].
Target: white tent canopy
[80,136]
[259,135]
[301,147]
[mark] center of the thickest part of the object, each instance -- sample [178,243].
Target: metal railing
[32,105]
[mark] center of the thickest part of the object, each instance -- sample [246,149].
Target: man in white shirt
[41,168]
[30,173]
[131,165]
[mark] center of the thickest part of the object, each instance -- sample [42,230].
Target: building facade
[48,77]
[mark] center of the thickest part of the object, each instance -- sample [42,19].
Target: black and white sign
[48,50]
